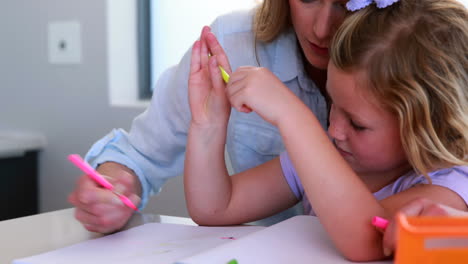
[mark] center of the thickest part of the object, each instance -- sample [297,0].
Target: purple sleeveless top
[454,178]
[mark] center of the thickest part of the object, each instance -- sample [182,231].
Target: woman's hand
[207,96]
[419,207]
[100,210]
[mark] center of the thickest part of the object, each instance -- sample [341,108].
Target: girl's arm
[338,196]
[337,193]
[340,199]
[213,197]
[245,197]
[205,175]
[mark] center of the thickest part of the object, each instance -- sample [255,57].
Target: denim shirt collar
[287,62]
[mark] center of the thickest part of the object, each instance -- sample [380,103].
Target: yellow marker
[224,74]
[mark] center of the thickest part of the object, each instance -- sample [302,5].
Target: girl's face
[315,23]
[365,134]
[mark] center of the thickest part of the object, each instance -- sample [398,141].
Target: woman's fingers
[418,207]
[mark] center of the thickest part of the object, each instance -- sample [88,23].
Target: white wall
[173,32]
[68,104]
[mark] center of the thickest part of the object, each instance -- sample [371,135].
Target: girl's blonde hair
[415,55]
[271,19]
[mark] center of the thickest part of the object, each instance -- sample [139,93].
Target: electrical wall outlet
[64,42]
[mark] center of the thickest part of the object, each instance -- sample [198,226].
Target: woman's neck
[319,76]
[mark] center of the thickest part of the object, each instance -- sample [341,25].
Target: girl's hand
[207,96]
[259,90]
[419,207]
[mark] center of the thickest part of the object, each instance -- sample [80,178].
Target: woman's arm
[418,207]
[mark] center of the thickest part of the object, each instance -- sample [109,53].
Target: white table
[31,235]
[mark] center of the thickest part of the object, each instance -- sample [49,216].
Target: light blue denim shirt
[155,146]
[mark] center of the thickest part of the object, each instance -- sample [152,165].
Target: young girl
[398,126]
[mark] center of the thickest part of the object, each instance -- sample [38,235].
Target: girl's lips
[319,50]
[342,152]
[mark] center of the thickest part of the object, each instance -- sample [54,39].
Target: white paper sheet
[300,239]
[150,243]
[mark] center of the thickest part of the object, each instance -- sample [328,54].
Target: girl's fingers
[235,98]
[204,54]
[216,49]
[204,32]
[238,81]
[245,109]
[216,78]
[195,60]
[235,89]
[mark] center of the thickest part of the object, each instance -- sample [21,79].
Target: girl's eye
[356,126]
[308,1]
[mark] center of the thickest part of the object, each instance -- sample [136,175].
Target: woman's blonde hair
[271,19]
[415,56]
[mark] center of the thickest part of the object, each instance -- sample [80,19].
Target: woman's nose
[324,23]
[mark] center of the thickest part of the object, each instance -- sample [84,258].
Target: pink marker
[93,174]
[380,222]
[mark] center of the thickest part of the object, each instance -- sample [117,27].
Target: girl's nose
[336,129]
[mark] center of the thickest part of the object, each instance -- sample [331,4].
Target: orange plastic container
[431,240]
